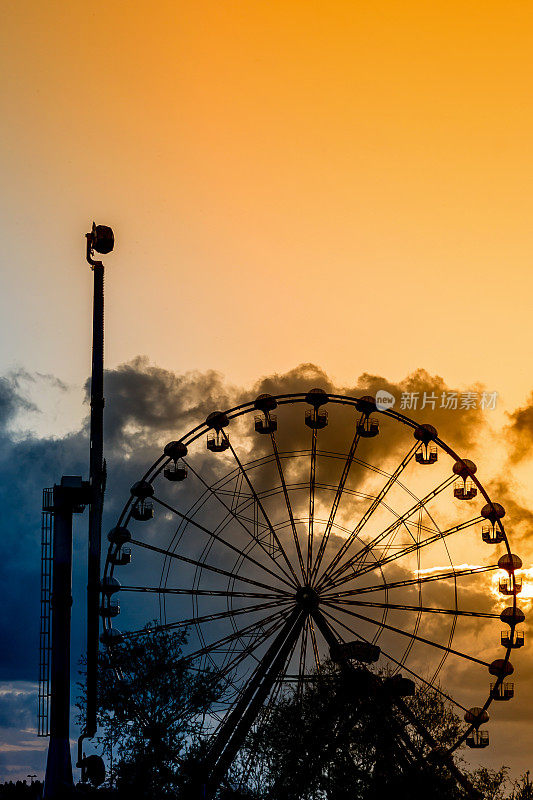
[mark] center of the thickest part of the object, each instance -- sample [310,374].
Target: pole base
[58,782]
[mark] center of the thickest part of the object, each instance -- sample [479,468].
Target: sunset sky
[341,183]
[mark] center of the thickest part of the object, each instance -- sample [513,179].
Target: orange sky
[347,183]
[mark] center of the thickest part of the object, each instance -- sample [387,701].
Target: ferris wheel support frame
[232,735]
[233,732]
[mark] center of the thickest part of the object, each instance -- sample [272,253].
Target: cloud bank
[147,405]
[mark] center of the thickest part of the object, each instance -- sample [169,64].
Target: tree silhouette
[150,709]
[341,739]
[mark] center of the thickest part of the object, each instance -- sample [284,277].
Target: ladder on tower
[45,642]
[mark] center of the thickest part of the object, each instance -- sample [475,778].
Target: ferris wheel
[300,528]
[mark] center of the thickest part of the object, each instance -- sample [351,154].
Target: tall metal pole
[96,480]
[100,239]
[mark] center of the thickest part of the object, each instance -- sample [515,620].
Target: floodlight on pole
[102,239]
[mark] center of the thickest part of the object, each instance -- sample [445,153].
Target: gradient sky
[345,183]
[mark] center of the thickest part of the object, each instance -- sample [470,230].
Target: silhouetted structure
[59,503]
[304,583]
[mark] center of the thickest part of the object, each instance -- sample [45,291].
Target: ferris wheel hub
[307,597]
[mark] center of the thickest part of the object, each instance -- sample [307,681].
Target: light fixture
[101,239]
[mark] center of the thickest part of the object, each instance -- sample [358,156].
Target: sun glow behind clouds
[458,567]
[525,596]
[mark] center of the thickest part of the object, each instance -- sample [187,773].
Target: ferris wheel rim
[336,399]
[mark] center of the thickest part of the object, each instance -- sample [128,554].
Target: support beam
[238,724]
[401,705]
[70,496]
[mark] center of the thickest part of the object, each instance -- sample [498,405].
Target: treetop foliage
[151,707]
[340,738]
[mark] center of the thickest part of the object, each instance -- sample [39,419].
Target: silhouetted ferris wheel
[281,539]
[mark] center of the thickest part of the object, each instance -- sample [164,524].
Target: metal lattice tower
[47,533]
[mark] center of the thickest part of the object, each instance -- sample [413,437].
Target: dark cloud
[300,379]
[520,431]
[21,376]
[11,400]
[145,406]
[145,401]
[18,707]
[457,427]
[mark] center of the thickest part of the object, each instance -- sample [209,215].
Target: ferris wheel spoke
[437,576]
[419,528]
[416,547]
[398,663]
[276,620]
[261,507]
[199,592]
[204,565]
[336,501]
[303,656]
[312,481]
[316,651]
[288,504]
[236,517]
[218,538]
[423,609]
[219,615]
[331,576]
[408,635]
[392,479]
[224,671]
[440,536]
